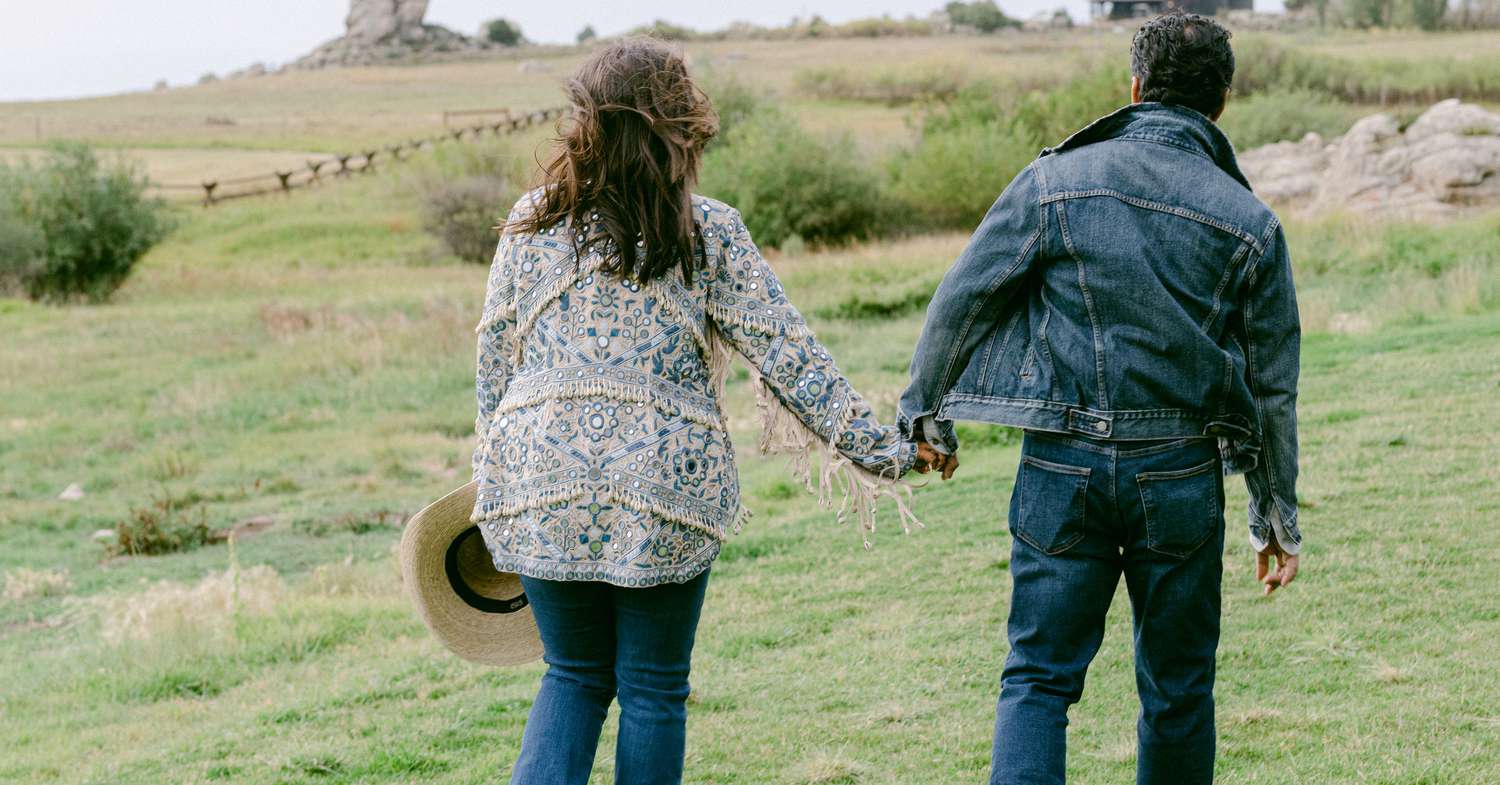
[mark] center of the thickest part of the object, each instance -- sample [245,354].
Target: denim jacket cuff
[1280,519]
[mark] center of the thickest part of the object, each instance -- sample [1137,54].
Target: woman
[606,476]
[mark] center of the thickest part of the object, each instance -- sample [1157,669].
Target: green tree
[503,32]
[587,34]
[982,15]
[72,227]
[1426,14]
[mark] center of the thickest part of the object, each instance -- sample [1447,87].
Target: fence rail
[347,164]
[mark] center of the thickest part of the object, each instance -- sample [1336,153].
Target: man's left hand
[1286,566]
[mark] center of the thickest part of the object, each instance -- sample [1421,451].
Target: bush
[890,86]
[72,227]
[734,101]
[167,525]
[465,191]
[1283,115]
[667,31]
[464,215]
[974,145]
[22,247]
[982,15]
[789,184]
[503,32]
[1261,66]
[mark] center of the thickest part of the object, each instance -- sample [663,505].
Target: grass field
[310,359]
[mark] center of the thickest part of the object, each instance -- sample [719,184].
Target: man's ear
[1223,104]
[1135,89]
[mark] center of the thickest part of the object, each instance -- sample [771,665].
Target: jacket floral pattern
[602,450]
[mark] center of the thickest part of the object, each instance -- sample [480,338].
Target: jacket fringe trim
[757,322]
[571,389]
[701,521]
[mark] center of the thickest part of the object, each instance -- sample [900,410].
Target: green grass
[306,359]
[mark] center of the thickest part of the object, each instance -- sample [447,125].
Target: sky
[74,48]
[71,48]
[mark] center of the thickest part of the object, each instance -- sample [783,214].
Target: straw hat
[478,612]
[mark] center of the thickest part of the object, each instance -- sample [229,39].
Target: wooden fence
[347,164]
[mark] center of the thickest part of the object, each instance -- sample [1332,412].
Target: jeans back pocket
[1050,500]
[1182,508]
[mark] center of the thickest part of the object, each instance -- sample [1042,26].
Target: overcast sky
[69,48]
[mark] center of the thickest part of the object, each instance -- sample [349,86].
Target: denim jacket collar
[1163,123]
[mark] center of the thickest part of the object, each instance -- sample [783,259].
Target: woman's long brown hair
[629,153]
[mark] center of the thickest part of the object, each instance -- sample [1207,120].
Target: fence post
[286,181]
[208,193]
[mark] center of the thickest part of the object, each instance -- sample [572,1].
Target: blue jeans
[602,642]
[1082,513]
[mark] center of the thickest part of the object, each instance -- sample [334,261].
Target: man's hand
[929,458]
[1286,566]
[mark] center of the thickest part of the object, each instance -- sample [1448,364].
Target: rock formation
[389,31]
[372,21]
[1446,161]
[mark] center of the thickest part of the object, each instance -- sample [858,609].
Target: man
[1128,302]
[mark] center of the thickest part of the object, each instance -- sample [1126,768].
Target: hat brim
[502,632]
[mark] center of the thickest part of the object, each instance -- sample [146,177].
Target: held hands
[1286,566]
[929,459]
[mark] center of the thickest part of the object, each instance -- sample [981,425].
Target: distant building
[1133,9]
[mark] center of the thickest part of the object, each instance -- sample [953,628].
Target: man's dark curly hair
[1183,59]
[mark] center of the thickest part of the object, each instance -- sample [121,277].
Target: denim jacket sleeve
[1272,340]
[497,345]
[973,291]
[751,312]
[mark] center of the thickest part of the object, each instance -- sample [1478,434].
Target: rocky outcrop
[1446,161]
[389,31]
[372,21]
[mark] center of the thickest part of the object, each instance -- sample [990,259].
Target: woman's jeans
[1084,512]
[604,642]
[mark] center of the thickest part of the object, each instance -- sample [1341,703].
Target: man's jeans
[603,642]
[1083,512]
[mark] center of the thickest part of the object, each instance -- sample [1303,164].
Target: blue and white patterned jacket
[603,453]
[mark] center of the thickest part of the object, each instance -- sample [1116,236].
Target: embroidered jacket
[603,453]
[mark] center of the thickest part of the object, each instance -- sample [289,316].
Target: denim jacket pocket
[1050,505]
[1181,508]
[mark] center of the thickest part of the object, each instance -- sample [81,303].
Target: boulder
[1446,161]
[372,21]
[381,32]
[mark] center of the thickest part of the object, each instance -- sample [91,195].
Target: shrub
[464,214]
[667,31]
[973,146]
[890,86]
[982,15]
[503,32]
[74,227]
[1261,66]
[1283,115]
[586,35]
[168,524]
[22,247]
[788,183]
[735,101]
[465,191]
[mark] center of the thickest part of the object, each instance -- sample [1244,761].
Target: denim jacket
[1126,285]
